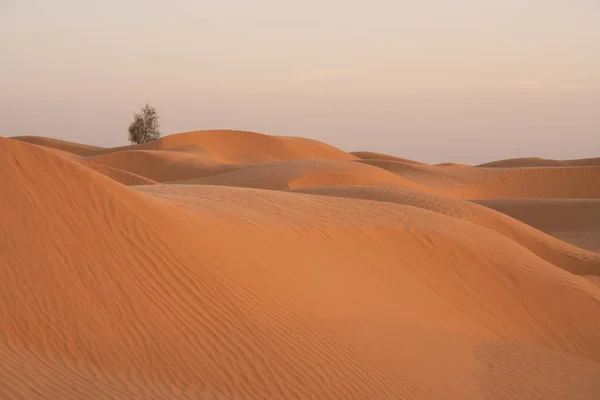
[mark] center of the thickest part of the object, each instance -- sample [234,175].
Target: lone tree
[144,127]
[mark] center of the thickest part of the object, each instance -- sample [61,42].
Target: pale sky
[434,80]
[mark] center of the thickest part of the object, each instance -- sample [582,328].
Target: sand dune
[115,306]
[451,164]
[119,175]
[569,182]
[554,251]
[240,147]
[444,180]
[369,155]
[162,166]
[225,146]
[541,162]
[302,173]
[575,221]
[489,183]
[361,282]
[83,150]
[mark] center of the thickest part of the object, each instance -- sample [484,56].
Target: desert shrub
[144,127]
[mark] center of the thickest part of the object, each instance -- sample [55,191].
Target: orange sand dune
[162,166]
[457,181]
[489,183]
[235,147]
[194,291]
[82,150]
[369,155]
[119,175]
[541,162]
[568,182]
[303,173]
[223,146]
[100,279]
[451,164]
[554,251]
[575,221]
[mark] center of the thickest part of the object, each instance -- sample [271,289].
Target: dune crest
[82,150]
[489,183]
[533,162]
[302,173]
[369,155]
[234,147]
[576,221]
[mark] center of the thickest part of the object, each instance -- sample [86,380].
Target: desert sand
[237,265]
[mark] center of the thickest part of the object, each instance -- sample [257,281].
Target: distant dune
[236,265]
[489,183]
[540,162]
[451,164]
[369,155]
[303,173]
[244,147]
[575,221]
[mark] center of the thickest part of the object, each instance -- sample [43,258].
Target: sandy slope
[568,182]
[541,162]
[369,155]
[362,282]
[119,175]
[451,164]
[303,173]
[455,181]
[558,253]
[123,289]
[233,147]
[225,146]
[489,183]
[575,221]
[162,166]
[83,150]
[202,157]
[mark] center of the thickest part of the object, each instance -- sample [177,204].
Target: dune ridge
[489,183]
[541,162]
[575,221]
[292,174]
[82,150]
[571,258]
[230,264]
[227,146]
[369,155]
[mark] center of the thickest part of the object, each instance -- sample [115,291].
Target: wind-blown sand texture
[235,265]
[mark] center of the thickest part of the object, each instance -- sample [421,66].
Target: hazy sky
[434,80]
